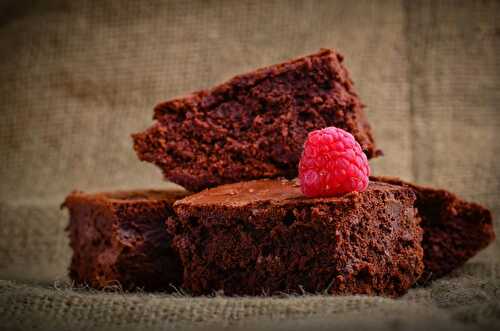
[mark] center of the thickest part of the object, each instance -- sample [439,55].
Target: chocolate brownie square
[119,239]
[254,125]
[265,237]
[454,230]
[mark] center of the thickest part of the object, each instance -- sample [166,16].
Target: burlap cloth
[76,78]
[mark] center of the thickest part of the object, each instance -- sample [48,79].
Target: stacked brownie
[254,126]
[249,230]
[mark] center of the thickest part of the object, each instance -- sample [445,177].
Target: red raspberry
[332,164]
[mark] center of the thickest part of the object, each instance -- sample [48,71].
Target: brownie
[454,229]
[265,237]
[119,239]
[254,125]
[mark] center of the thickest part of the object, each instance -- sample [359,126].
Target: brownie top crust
[273,191]
[126,197]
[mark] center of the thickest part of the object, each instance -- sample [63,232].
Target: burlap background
[76,78]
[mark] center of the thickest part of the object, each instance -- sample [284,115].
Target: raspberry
[332,164]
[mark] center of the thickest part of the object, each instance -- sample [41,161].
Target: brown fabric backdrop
[78,77]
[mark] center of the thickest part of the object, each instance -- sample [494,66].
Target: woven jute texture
[76,78]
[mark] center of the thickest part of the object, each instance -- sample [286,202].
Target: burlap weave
[76,78]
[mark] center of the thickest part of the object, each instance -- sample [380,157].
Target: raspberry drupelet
[332,164]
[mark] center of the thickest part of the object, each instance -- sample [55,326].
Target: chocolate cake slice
[264,236]
[254,125]
[119,239]
[454,230]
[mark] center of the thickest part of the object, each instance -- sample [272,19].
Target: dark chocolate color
[254,125]
[454,230]
[264,236]
[119,239]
